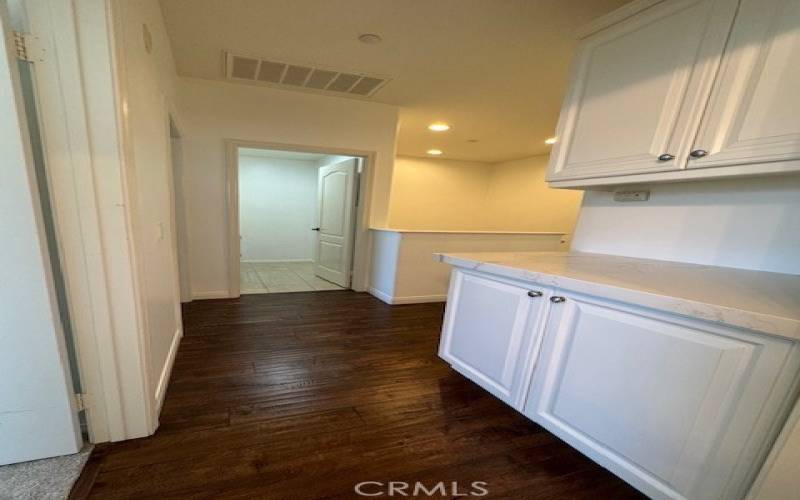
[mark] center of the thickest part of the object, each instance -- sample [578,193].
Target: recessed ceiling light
[472,140]
[439,127]
[435,152]
[551,140]
[370,38]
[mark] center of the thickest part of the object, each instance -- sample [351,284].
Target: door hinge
[29,47]
[81,401]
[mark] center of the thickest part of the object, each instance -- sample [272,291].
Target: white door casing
[333,250]
[638,89]
[491,332]
[752,115]
[37,412]
[674,406]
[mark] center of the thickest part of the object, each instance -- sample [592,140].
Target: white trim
[614,17]
[163,379]
[608,182]
[383,296]
[407,299]
[180,232]
[274,261]
[211,294]
[146,425]
[436,231]
[71,163]
[361,254]
[419,299]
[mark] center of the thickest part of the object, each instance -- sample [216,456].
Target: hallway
[277,394]
[282,277]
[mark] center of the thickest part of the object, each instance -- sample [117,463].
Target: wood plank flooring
[304,395]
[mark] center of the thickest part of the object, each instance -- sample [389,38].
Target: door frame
[361,243]
[180,233]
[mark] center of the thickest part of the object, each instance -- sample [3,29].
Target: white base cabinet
[679,408]
[490,327]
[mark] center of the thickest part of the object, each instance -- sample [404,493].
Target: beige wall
[439,194]
[148,84]
[215,111]
[518,199]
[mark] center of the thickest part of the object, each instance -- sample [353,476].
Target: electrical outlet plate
[631,195]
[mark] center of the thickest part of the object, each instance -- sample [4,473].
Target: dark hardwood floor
[304,395]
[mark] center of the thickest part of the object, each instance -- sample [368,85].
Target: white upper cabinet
[680,86]
[636,87]
[754,112]
[490,329]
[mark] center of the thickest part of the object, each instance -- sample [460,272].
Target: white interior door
[37,414]
[336,190]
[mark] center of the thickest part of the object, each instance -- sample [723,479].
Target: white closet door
[37,418]
[336,191]
[754,112]
[638,90]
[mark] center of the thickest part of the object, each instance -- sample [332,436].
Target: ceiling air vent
[301,76]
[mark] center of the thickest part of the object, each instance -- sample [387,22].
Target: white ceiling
[283,155]
[494,69]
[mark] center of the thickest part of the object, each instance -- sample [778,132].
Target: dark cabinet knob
[557,299]
[698,153]
[315,229]
[666,157]
[534,293]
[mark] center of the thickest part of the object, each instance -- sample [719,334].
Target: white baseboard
[211,294]
[278,261]
[419,299]
[408,299]
[163,380]
[379,294]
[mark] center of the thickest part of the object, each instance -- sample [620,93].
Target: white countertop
[762,301]
[435,231]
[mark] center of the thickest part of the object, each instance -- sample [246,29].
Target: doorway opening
[298,218]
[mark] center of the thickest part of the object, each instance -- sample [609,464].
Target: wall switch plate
[631,195]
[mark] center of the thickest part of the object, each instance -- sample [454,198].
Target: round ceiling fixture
[551,140]
[370,38]
[434,152]
[439,127]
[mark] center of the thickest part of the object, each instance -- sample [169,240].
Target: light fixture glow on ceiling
[435,152]
[551,140]
[439,127]
[370,38]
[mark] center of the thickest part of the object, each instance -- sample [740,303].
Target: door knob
[698,153]
[315,229]
[666,157]
[534,293]
[556,299]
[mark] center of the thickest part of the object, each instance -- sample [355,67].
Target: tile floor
[280,277]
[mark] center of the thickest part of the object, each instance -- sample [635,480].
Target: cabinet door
[678,408]
[638,90]
[754,112]
[489,332]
